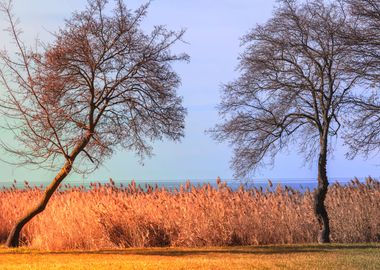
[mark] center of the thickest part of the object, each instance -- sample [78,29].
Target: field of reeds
[107,216]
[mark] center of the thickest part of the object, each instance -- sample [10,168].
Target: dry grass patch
[264,257]
[119,217]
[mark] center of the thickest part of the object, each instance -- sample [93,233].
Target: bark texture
[320,196]
[13,239]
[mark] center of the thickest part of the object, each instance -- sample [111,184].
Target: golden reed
[111,217]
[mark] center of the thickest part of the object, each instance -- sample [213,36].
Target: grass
[335,256]
[110,217]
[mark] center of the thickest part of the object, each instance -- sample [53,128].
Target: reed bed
[107,216]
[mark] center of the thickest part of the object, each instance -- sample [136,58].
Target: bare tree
[102,83]
[364,135]
[295,78]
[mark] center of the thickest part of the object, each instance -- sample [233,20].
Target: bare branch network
[297,78]
[102,83]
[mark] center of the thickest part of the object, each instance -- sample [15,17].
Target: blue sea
[234,184]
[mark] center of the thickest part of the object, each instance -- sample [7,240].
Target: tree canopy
[102,78]
[102,83]
[295,88]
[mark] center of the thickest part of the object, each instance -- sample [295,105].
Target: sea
[300,184]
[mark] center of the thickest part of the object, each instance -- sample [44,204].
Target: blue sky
[213,32]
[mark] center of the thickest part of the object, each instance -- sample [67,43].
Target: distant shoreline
[234,184]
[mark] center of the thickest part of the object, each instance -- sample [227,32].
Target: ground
[355,256]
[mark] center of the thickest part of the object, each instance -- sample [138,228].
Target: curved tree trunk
[320,195]
[14,236]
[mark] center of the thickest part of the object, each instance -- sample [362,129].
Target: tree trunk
[320,195]
[14,236]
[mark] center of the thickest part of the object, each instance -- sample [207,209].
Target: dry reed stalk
[111,217]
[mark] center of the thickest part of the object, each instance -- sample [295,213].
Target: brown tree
[364,135]
[102,83]
[295,77]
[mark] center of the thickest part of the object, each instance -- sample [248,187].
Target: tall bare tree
[102,83]
[364,135]
[295,76]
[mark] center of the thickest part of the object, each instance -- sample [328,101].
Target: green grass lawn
[356,256]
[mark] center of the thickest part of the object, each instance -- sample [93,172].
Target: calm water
[298,184]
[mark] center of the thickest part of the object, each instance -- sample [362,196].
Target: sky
[213,32]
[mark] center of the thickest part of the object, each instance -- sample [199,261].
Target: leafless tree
[102,83]
[364,135]
[295,76]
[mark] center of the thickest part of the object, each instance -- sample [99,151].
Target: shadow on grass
[178,252]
